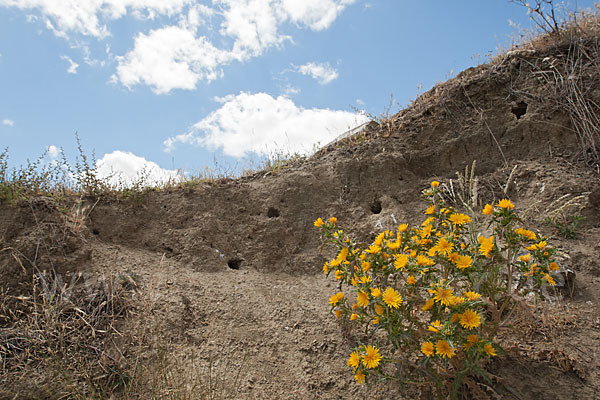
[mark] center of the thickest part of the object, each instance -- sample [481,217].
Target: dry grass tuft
[58,336]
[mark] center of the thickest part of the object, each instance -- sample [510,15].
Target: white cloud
[322,72]
[85,16]
[125,168]
[170,58]
[316,14]
[290,90]
[8,122]
[197,15]
[253,24]
[53,151]
[176,56]
[263,124]
[72,65]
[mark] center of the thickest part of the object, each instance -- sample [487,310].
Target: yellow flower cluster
[365,357]
[416,283]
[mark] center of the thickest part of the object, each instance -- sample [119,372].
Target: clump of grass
[563,214]
[565,226]
[577,34]
[465,194]
[58,333]
[34,179]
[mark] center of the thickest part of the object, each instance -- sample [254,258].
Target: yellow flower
[401,261]
[472,295]
[463,262]
[454,257]
[333,220]
[402,227]
[338,313]
[375,292]
[428,304]
[470,319]
[375,321]
[366,266]
[373,249]
[362,299]
[435,326]
[354,306]
[319,222]
[485,245]
[525,257]
[339,274]
[379,239]
[353,316]
[354,360]
[411,280]
[553,266]
[549,279]
[430,210]
[427,349]
[489,349]
[444,349]
[336,298]
[379,310]
[391,297]
[424,261]
[326,267]
[459,219]
[371,357]
[527,233]
[443,246]
[365,279]
[454,318]
[425,232]
[505,203]
[395,244]
[444,296]
[343,255]
[471,341]
[537,246]
[435,184]
[488,209]
[360,377]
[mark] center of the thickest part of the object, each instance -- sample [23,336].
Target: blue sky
[177,84]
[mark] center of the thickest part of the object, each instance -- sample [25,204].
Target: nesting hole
[234,263]
[272,212]
[95,231]
[376,207]
[519,109]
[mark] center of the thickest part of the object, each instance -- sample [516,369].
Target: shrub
[432,298]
